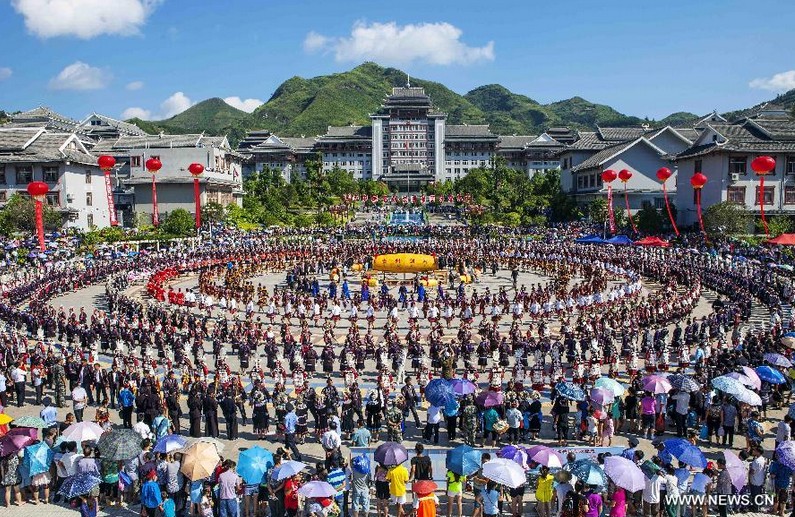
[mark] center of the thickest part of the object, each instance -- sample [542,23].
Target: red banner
[155,218]
[197,200]
[111,204]
[40,225]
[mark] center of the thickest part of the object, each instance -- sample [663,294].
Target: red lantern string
[668,207]
[629,212]
[697,181]
[698,210]
[762,165]
[40,225]
[155,218]
[762,203]
[609,176]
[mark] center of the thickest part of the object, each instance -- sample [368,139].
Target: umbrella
[119,444]
[602,396]
[439,392]
[390,453]
[170,443]
[752,376]
[684,383]
[740,377]
[82,432]
[737,470]
[624,473]
[570,391]
[548,457]
[289,469]
[16,439]
[587,471]
[656,384]
[79,484]
[749,397]
[253,463]
[462,387]
[489,398]
[317,489]
[219,446]
[463,460]
[778,360]
[5,419]
[424,486]
[611,384]
[686,452]
[199,461]
[29,421]
[727,385]
[771,375]
[515,454]
[504,472]
[649,468]
[788,339]
[37,458]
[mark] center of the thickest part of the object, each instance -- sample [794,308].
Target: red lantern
[663,173]
[106,162]
[762,165]
[624,175]
[38,191]
[609,175]
[153,165]
[196,169]
[698,181]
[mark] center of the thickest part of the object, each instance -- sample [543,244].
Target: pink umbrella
[17,439]
[656,384]
[751,374]
[737,470]
[602,396]
[548,457]
[741,377]
[489,398]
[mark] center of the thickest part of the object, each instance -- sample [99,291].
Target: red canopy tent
[653,241]
[785,239]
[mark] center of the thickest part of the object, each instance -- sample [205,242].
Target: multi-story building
[348,148]
[60,159]
[465,148]
[220,183]
[723,152]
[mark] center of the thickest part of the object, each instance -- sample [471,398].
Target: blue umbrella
[170,443]
[253,463]
[771,375]
[587,471]
[786,453]
[686,452]
[463,460]
[79,484]
[37,458]
[439,392]
[570,391]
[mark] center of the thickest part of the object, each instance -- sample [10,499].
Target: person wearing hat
[151,498]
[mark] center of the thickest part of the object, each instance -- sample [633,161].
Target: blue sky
[156,57]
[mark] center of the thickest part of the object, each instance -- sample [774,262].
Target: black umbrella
[120,444]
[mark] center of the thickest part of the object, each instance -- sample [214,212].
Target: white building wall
[377,158]
[438,147]
[77,185]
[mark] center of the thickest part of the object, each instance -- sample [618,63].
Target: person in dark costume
[210,409]
[229,409]
[195,412]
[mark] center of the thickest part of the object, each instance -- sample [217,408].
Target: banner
[155,218]
[111,204]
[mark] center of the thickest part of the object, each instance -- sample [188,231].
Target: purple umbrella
[737,470]
[16,439]
[624,473]
[656,384]
[462,387]
[489,398]
[516,454]
[602,396]
[786,453]
[548,457]
[390,453]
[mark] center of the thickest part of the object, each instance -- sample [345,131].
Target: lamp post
[697,181]
[624,175]
[763,165]
[106,163]
[38,191]
[153,165]
[196,169]
[609,176]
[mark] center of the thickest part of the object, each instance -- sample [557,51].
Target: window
[135,161]
[645,204]
[89,199]
[789,195]
[735,195]
[789,166]
[2,175]
[659,203]
[90,220]
[53,199]
[88,176]
[155,157]
[24,175]
[737,164]
[50,174]
[2,196]
[696,166]
[770,195]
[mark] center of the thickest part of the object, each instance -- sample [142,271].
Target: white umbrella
[289,469]
[82,432]
[505,472]
[753,376]
[748,397]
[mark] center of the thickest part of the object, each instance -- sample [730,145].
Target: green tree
[649,220]
[180,223]
[727,218]
[304,220]
[776,225]
[597,210]
[19,214]
[325,219]
[213,212]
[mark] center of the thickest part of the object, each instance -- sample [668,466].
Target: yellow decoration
[432,282]
[467,279]
[404,263]
[356,268]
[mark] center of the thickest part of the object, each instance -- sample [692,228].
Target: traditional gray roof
[123,128]
[127,142]
[753,136]
[621,134]
[465,131]
[31,145]
[605,154]
[17,139]
[300,143]
[517,142]
[688,132]
[45,117]
[348,132]
[589,141]
[179,179]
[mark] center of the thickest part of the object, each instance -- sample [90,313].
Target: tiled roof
[299,143]
[465,130]
[124,128]
[621,134]
[16,139]
[348,132]
[748,136]
[158,142]
[604,154]
[515,141]
[589,141]
[30,146]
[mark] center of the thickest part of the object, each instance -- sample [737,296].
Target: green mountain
[302,106]
[786,100]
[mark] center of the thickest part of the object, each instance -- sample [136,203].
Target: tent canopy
[785,239]
[620,240]
[590,239]
[653,241]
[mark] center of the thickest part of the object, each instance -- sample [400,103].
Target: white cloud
[247,105]
[5,73]
[80,76]
[135,85]
[389,43]
[781,82]
[136,113]
[84,18]
[174,105]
